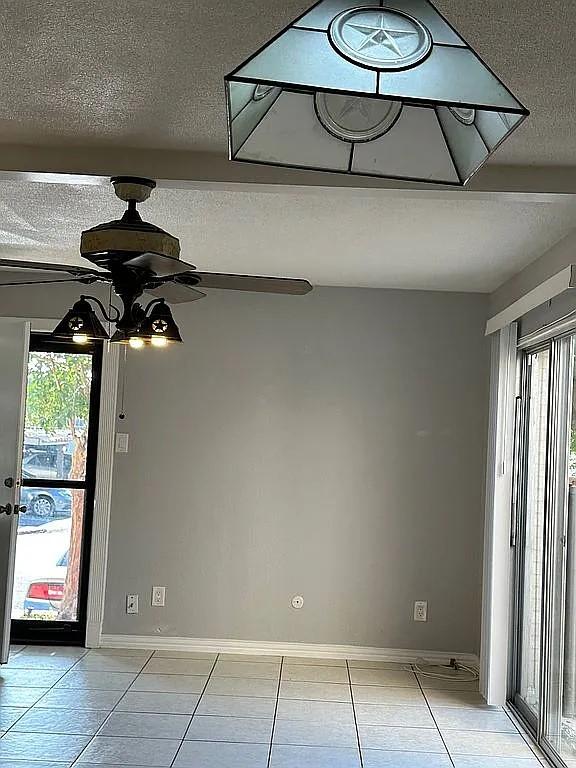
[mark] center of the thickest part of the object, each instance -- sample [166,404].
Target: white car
[44,595]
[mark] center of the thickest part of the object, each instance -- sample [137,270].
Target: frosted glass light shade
[386,88]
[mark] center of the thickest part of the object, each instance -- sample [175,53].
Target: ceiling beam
[186,168]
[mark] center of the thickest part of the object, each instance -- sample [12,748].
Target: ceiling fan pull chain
[122,415]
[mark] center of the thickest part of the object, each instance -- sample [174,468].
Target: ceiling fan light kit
[159,327]
[383,88]
[80,324]
[152,325]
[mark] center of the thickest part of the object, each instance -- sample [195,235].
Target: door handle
[20,509]
[6,509]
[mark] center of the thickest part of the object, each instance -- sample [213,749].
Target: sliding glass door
[559,722]
[536,388]
[543,682]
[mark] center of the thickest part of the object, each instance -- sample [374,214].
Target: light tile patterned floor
[66,706]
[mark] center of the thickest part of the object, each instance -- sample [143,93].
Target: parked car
[47,464]
[44,595]
[46,502]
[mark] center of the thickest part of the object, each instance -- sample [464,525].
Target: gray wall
[331,446]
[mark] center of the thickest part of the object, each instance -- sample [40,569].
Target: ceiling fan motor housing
[114,242]
[100,243]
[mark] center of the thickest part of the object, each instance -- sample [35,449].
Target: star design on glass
[355,106]
[380,38]
[159,326]
[355,118]
[386,36]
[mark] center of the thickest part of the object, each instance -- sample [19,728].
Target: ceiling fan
[137,258]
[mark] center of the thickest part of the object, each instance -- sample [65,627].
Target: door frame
[499,513]
[102,494]
[103,480]
[58,632]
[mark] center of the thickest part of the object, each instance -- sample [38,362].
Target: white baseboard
[311,650]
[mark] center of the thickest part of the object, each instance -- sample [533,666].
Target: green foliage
[572,459]
[58,392]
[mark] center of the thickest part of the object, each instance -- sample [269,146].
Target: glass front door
[58,473]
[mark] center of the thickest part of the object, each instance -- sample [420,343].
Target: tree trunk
[69,606]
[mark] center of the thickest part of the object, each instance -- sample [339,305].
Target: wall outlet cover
[421,610]
[158,596]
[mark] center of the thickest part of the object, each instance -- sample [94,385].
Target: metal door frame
[560,385]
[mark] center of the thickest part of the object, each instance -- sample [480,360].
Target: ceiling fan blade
[83,280]
[175,293]
[46,267]
[162,266]
[293,286]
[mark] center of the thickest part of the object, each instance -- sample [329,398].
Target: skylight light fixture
[381,88]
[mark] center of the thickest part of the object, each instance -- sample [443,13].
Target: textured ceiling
[332,237]
[149,74]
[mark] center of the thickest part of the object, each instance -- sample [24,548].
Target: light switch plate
[122,439]
[131,603]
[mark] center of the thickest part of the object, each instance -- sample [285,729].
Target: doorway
[543,677]
[53,539]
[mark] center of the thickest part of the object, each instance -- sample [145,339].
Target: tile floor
[68,706]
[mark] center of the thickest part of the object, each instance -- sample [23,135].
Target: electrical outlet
[158,596]
[420,610]
[131,603]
